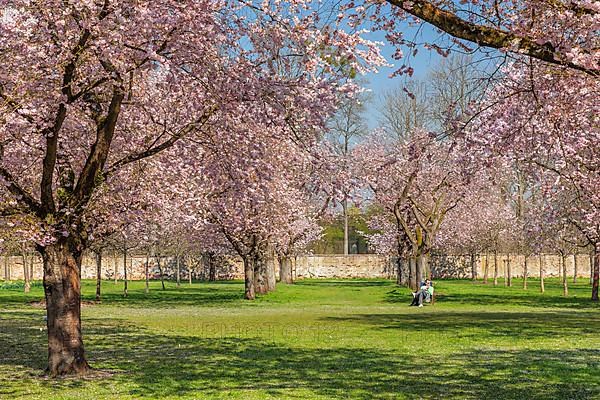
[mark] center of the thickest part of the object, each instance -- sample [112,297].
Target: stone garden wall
[312,266]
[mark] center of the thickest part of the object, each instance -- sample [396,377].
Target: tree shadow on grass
[206,295]
[173,297]
[486,325]
[353,283]
[477,298]
[160,365]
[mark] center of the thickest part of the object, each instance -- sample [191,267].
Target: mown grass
[317,339]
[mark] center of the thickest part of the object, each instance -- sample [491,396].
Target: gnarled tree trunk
[412,274]
[62,288]
[285,270]
[262,275]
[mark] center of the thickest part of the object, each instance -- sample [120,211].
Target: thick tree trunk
[271,275]
[486,271]
[542,262]
[62,288]
[421,260]
[262,274]
[178,271]
[147,273]
[400,279]
[412,274]
[98,274]
[525,273]
[575,268]
[473,267]
[189,268]
[596,273]
[564,277]
[27,286]
[495,268]
[509,271]
[250,293]
[285,270]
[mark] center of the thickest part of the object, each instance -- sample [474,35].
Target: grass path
[317,339]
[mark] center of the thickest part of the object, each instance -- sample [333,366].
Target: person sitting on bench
[425,293]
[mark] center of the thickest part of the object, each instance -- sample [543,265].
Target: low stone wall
[341,266]
[311,266]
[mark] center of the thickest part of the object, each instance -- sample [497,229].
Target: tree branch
[485,36]
[20,194]
[152,150]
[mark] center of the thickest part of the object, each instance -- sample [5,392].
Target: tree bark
[591,267]
[285,270]
[473,267]
[575,268]
[62,288]
[560,273]
[250,293]
[487,268]
[509,271]
[7,268]
[31,260]
[345,210]
[271,275]
[495,268]
[261,272]
[116,264]
[160,271]
[542,261]
[400,280]
[525,272]
[420,268]
[565,282]
[412,274]
[98,274]
[27,285]
[147,273]
[125,271]
[596,273]
[177,270]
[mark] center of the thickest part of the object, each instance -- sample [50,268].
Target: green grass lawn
[317,339]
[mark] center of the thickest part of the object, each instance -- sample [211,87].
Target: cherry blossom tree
[118,83]
[546,119]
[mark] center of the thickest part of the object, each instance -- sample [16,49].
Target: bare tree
[347,125]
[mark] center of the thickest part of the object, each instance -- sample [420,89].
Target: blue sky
[379,83]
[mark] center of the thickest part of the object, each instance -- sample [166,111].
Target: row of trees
[206,118]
